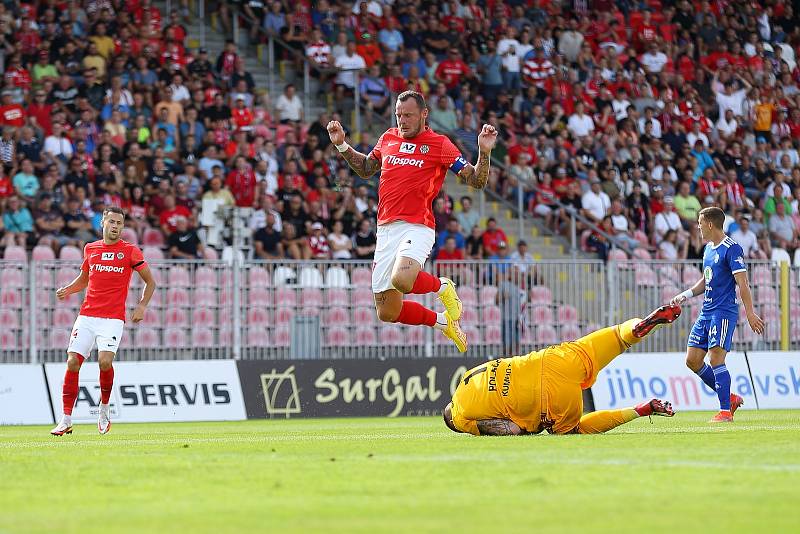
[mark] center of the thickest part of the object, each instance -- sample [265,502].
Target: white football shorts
[396,239]
[89,332]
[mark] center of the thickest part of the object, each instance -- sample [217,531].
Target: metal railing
[292,309]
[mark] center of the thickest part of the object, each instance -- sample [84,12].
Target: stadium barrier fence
[324,309]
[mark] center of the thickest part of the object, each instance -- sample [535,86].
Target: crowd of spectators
[633,114]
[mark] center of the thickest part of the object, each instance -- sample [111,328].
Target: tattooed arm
[477,176]
[499,427]
[362,164]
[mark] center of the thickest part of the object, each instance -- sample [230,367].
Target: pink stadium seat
[65,275]
[492,335]
[362,296]
[259,277]
[8,340]
[129,235]
[390,335]
[794,330]
[584,240]
[644,276]
[225,335]
[640,253]
[762,275]
[15,253]
[365,336]
[178,277]
[691,275]
[772,331]
[153,238]
[62,318]
[744,335]
[766,295]
[146,337]
[176,317]
[202,337]
[10,319]
[468,295]
[336,316]
[205,277]
[770,313]
[570,332]
[11,277]
[203,317]
[469,316]
[364,316]
[205,297]
[473,335]
[567,314]
[151,318]
[668,273]
[43,253]
[175,337]
[258,337]
[336,277]
[283,316]
[541,295]
[488,294]
[257,317]
[337,336]
[259,297]
[641,237]
[337,297]
[70,253]
[210,253]
[11,297]
[286,297]
[617,255]
[541,315]
[546,335]
[311,297]
[177,296]
[283,336]
[152,253]
[491,314]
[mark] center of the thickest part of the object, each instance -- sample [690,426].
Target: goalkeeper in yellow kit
[542,390]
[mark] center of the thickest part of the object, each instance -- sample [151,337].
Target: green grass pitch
[403,475]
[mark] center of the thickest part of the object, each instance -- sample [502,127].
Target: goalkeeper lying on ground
[542,390]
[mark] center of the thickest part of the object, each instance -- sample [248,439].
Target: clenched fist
[336,132]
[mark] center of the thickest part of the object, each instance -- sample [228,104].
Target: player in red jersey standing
[413,161]
[107,268]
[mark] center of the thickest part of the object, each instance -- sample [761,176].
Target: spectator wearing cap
[318,243]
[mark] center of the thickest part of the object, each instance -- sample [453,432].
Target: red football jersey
[412,173]
[110,268]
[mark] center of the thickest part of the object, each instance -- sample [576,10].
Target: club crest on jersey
[120,255]
[424,149]
[708,274]
[407,148]
[107,256]
[716,258]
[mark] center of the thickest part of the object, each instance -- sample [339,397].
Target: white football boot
[63,427]
[104,419]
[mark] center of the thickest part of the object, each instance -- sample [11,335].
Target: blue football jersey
[720,263]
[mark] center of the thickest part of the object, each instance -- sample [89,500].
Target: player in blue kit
[723,269]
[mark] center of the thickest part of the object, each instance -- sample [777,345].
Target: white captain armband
[458,164]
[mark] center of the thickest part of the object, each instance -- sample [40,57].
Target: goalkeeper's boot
[655,407]
[104,419]
[450,299]
[454,333]
[736,403]
[63,427]
[724,416]
[660,317]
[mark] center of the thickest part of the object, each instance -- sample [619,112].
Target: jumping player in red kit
[107,268]
[413,161]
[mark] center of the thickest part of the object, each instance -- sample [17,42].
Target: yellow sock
[605,420]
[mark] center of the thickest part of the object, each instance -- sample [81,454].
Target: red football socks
[70,391]
[415,313]
[106,383]
[425,283]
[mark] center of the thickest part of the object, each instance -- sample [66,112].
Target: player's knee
[388,315]
[74,362]
[105,363]
[402,283]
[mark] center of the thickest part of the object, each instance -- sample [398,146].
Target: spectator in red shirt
[168,219]
[492,238]
[524,145]
[11,114]
[241,114]
[242,183]
[318,243]
[453,71]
